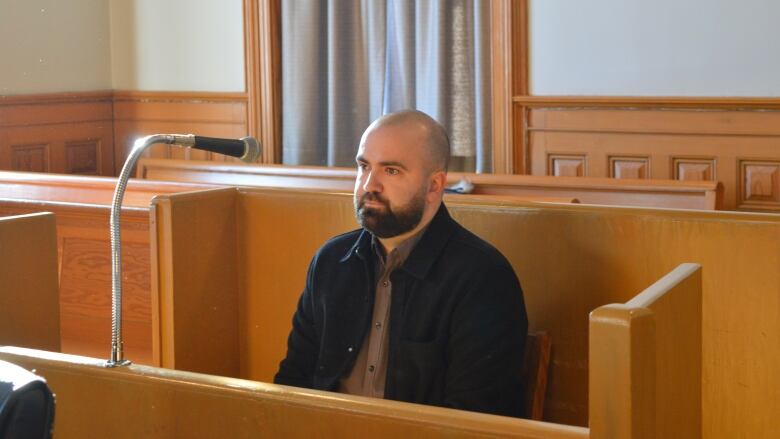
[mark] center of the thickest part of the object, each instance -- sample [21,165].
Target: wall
[72,87]
[54,46]
[177,45]
[682,90]
[654,48]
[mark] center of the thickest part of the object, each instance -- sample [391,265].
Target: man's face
[392,181]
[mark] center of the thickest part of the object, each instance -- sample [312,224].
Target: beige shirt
[369,373]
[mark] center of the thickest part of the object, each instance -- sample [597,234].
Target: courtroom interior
[623,156]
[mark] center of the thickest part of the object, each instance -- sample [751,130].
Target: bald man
[411,306]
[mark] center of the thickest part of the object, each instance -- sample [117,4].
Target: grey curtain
[347,62]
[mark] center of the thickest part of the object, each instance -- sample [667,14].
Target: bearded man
[411,306]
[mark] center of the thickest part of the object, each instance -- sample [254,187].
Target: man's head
[402,169]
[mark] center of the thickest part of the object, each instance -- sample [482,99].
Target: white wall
[177,45]
[655,47]
[49,46]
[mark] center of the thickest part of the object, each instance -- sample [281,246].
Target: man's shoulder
[474,250]
[338,246]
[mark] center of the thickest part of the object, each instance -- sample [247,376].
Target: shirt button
[378,325]
[385,283]
[371,368]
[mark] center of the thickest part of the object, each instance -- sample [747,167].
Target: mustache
[371,196]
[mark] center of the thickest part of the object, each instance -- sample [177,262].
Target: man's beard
[386,223]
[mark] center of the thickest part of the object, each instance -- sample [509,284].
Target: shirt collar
[423,251]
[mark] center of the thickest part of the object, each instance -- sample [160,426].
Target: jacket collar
[424,254]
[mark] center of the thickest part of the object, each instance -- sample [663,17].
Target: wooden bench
[652,340]
[29,301]
[607,191]
[81,206]
[570,259]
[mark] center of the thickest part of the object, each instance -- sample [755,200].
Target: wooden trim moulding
[502,84]
[56,98]
[696,103]
[262,54]
[178,96]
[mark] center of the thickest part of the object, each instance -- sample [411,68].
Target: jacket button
[349,349]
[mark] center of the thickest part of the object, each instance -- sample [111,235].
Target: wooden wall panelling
[262,52]
[740,148]
[61,133]
[137,114]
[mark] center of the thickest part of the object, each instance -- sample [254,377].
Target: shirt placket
[377,355]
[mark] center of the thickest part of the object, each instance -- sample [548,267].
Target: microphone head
[251,150]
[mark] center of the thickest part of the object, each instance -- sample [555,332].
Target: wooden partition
[645,361]
[657,193]
[570,259]
[147,402]
[141,401]
[81,206]
[29,301]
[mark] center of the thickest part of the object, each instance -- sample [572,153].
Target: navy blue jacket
[457,321]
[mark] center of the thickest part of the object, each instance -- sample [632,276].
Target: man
[412,306]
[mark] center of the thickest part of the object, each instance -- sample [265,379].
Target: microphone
[246,149]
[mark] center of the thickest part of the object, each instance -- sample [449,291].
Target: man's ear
[438,181]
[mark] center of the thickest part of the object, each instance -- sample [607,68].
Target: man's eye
[362,166]
[391,171]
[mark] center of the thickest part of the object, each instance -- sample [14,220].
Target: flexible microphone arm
[247,149]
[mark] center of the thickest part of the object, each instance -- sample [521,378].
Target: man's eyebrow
[394,164]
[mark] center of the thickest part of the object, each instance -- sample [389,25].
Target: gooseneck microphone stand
[247,149]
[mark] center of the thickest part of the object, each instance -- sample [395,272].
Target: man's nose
[372,183]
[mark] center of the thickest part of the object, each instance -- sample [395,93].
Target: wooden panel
[678,143]
[49,133]
[34,158]
[622,397]
[138,114]
[693,169]
[82,157]
[629,167]
[29,306]
[561,165]
[759,184]
[140,401]
[206,306]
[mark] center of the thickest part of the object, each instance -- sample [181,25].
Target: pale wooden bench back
[706,195]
